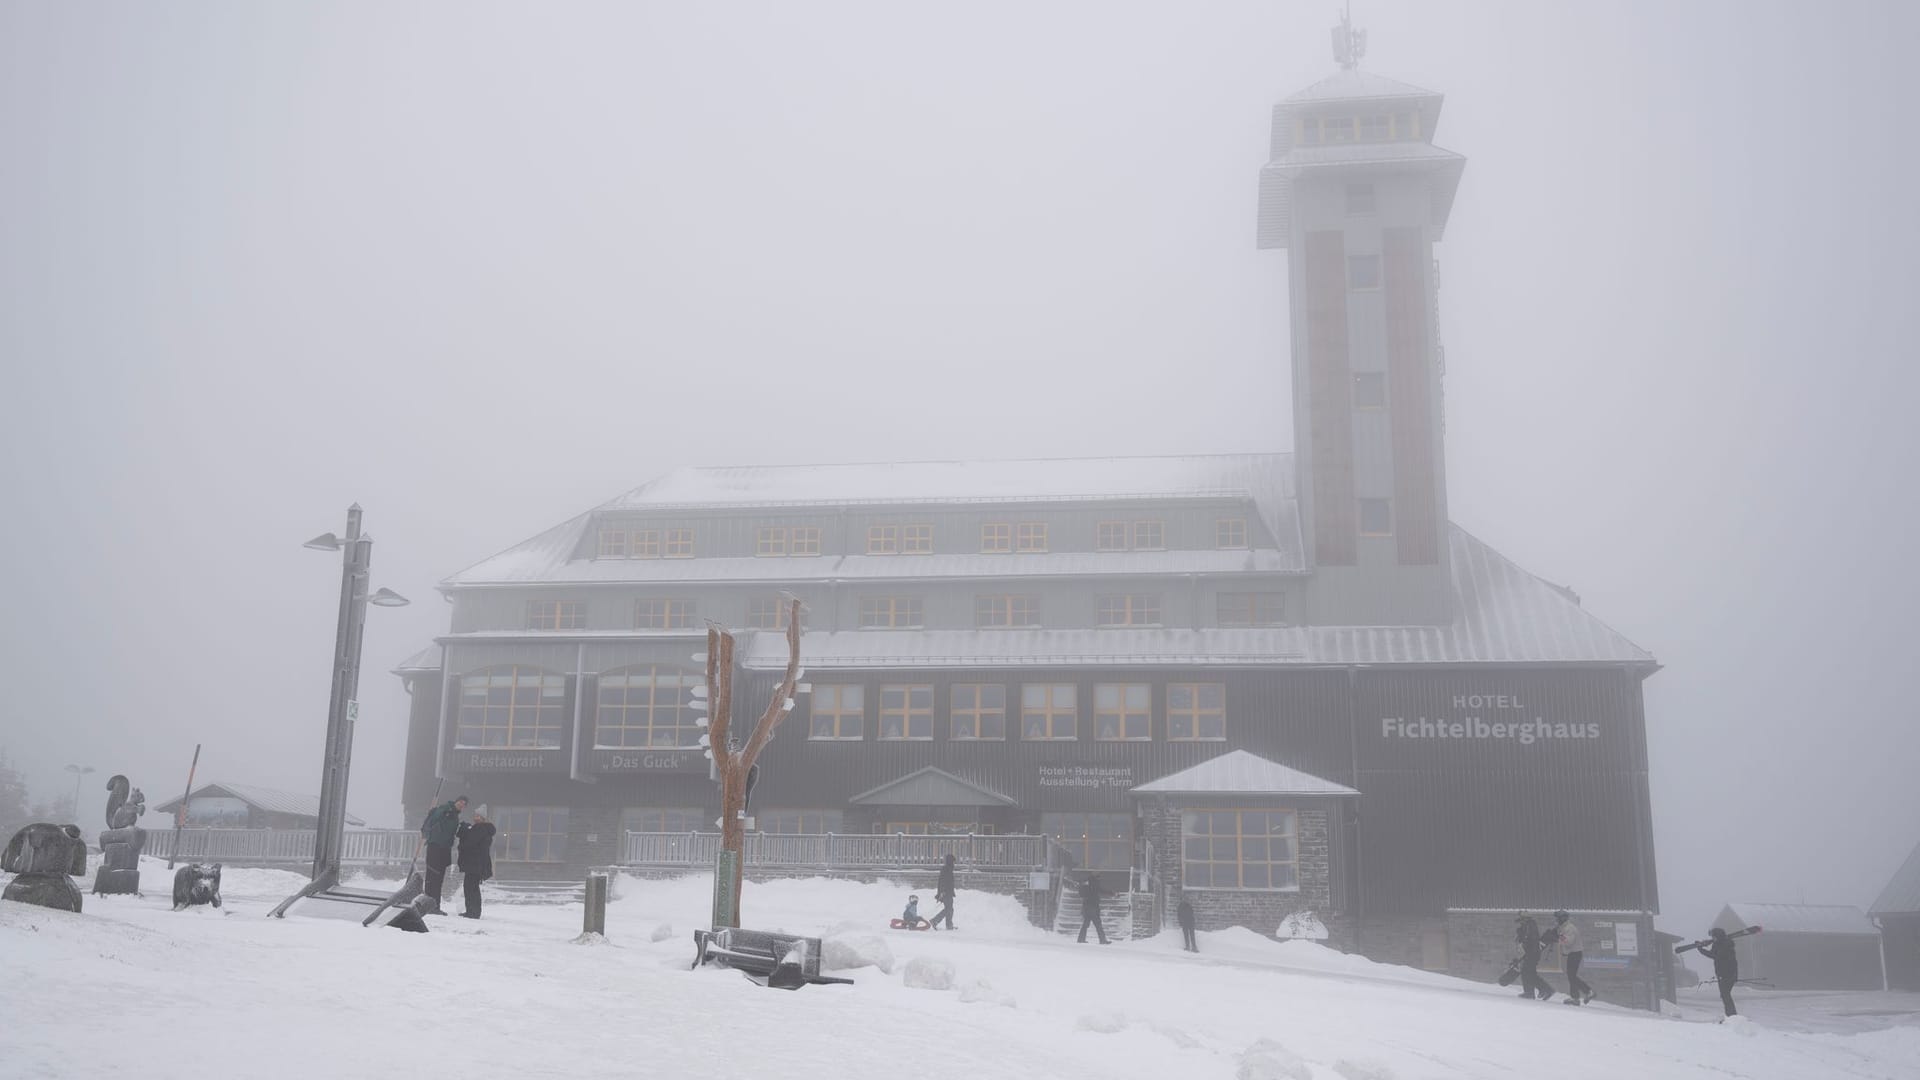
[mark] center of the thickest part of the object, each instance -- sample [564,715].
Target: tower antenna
[1349,45]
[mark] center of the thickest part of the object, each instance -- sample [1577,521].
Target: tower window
[1310,131]
[1369,390]
[1363,271]
[1337,129]
[1359,198]
[1375,128]
[1376,517]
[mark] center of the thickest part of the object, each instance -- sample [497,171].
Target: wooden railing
[360,847]
[832,851]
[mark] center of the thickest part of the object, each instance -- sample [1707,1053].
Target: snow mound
[1268,1060]
[591,938]
[1304,925]
[982,990]
[845,951]
[1106,1023]
[1741,1026]
[1176,1036]
[661,932]
[1362,1070]
[928,973]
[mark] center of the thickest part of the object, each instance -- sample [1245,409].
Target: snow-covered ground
[204,993]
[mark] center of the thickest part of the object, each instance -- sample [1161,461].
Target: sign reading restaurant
[1468,723]
[505,759]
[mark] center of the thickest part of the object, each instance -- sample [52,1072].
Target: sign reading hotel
[1487,718]
[1086,776]
[507,759]
[645,761]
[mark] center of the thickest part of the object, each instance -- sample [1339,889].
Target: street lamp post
[78,771]
[342,709]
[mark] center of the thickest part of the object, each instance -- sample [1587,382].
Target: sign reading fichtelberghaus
[1495,717]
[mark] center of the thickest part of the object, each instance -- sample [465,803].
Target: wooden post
[596,915]
[731,766]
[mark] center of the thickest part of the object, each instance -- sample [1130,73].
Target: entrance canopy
[930,787]
[1240,773]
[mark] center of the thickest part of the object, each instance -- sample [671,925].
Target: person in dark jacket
[1527,933]
[943,892]
[1719,948]
[441,826]
[1090,909]
[1185,914]
[476,860]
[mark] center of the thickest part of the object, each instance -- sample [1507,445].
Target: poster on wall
[1626,939]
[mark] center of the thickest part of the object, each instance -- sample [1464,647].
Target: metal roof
[1802,918]
[931,787]
[1352,84]
[427,659]
[1278,176]
[271,800]
[1241,773]
[1902,894]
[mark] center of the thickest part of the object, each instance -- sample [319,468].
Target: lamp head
[324,542]
[385,597]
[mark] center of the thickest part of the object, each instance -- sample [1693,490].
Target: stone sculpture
[43,855]
[122,842]
[195,884]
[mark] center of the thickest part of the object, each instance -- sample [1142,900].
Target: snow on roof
[427,659]
[931,787]
[1241,773]
[1902,894]
[1352,84]
[1802,918]
[272,800]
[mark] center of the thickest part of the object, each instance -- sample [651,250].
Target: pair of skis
[1691,945]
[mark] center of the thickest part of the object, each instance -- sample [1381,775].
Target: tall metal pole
[356,555]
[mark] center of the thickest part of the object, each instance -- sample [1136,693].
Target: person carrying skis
[441,826]
[1185,914]
[1527,933]
[1572,951]
[943,892]
[1726,966]
[1090,909]
[476,860]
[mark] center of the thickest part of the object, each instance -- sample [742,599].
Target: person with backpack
[1185,914]
[1090,908]
[1527,933]
[943,892]
[476,860]
[1572,951]
[1719,948]
[441,826]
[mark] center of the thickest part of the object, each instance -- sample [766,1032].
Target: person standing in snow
[1726,966]
[1527,933]
[1090,909]
[1572,951]
[441,826]
[476,860]
[1185,914]
[943,892]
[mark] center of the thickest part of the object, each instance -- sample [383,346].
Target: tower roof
[1352,84]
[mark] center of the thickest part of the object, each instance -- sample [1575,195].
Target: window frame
[1108,605]
[977,711]
[770,541]
[1113,536]
[906,712]
[1238,839]
[883,539]
[1196,713]
[676,613]
[840,712]
[803,541]
[688,730]
[1116,851]
[916,538]
[515,829]
[1125,713]
[1254,600]
[759,608]
[1225,529]
[903,612]
[1051,711]
[831,820]
[613,544]
[1030,537]
[565,615]
[677,543]
[1004,608]
[996,538]
[643,544]
[518,676]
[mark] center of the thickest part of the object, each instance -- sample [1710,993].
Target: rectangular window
[644,544]
[532,833]
[770,540]
[1376,517]
[1406,125]
[996,537]
[647,705]
[1030,536]
[890,612]
[1363,271]
[1310,131]
[1149,536]
[916,539]
[1359,198]
[557,615]
[1122,712]
[799,822]
[1196,711]
[679,544]
[1337,129]
[1376,128]
[803,540]
[1096,841]
[1239,849]
[1238,609]
[1369,390]
[667,819]
[1112,536]
[838,712]
[656,613]
[769,613]
[1001,612]
[978,711]
[883,539]
[1230,533]
[906,711]
[512,706]
[1130,609]
[1049,711]
[613,543]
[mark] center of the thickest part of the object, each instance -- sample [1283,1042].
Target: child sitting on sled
[911,916]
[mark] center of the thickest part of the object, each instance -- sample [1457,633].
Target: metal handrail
[838,851]
[364,847]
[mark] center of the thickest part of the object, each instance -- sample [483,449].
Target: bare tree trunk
[731,766]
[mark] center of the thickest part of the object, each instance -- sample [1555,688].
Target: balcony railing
[361,847]
[832,851]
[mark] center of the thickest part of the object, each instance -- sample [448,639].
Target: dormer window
[1337,129]
[1376,128]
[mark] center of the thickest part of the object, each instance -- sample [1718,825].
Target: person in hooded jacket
[476,860]
[1185,914]
[1090,895]
[1719,948]
[1572,951]
[441,826]
[1527,933]
[943,892]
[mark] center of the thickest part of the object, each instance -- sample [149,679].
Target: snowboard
[902,924]
[1730,935]
[1512,973]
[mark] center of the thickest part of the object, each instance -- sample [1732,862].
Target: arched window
[646,706]
[512,706]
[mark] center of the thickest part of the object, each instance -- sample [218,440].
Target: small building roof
[1801,918]
[271,800]
[1902,894]
[1353,84]
[931,787]
[1238,772]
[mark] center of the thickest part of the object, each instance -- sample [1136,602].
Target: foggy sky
[481,267]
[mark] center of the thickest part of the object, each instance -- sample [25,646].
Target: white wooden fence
[838,852]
